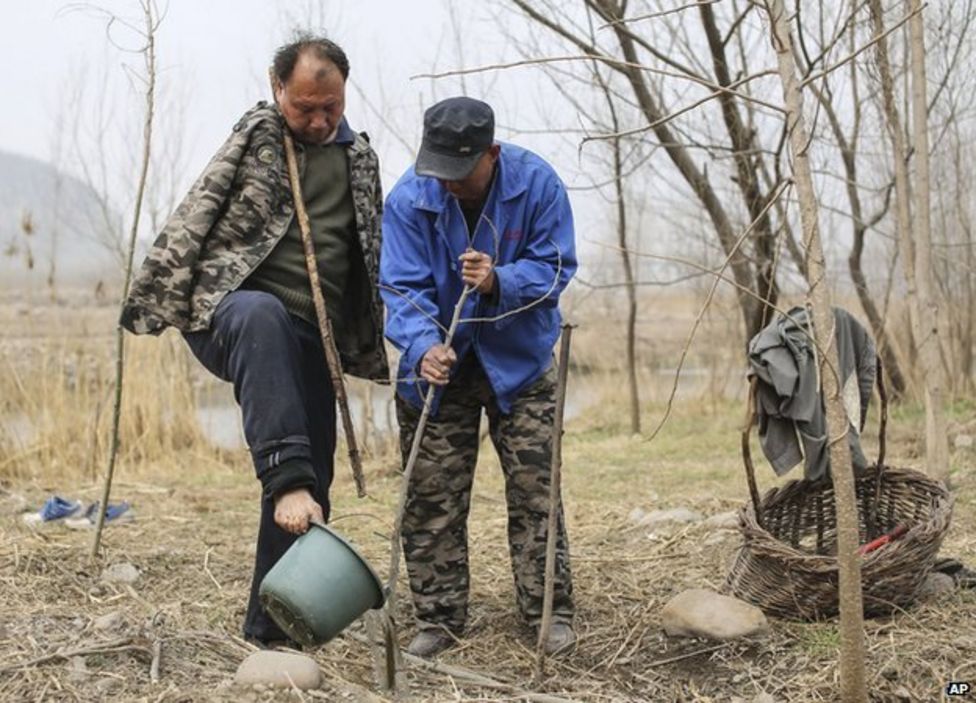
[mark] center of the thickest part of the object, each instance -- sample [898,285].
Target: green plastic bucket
[319,587]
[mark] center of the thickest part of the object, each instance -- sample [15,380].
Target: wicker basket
[787,563]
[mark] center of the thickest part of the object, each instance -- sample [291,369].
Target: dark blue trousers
[282,384]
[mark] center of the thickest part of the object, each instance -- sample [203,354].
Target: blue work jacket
[527,227]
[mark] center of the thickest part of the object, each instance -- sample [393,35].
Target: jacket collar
[509,181]
[345,134]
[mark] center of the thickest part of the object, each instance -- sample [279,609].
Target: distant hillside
[64,220]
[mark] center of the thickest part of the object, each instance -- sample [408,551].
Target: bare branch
[616,63]
[689,108]
[654,15]
[850,57]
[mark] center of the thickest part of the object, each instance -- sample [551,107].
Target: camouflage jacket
[228,223]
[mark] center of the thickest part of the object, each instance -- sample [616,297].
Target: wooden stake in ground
[325,326]
[851,664]
[418,436]
[555,481]
[149,52]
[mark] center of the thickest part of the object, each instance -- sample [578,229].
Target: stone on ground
[77,670]
[723,521]
[120,573]
[699,612]
[657,518]
[279,669]
[936,584]
[109,622]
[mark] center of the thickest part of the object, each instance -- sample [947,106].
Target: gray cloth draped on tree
[789,404]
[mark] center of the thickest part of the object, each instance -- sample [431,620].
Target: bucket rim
[381,592]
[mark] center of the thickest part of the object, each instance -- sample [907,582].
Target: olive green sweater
[325,189]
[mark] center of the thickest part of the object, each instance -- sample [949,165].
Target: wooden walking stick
[325,326]
[555,479]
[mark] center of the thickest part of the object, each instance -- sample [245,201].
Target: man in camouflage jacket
[228,271]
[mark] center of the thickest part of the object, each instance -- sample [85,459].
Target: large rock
[279,669]
[702,613]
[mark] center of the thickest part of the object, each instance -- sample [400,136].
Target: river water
[219,416]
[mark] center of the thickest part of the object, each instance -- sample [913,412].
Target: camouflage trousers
[435,533]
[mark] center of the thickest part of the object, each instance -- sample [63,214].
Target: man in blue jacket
[495,218]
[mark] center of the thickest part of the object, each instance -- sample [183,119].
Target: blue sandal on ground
[113,513]
[56,508]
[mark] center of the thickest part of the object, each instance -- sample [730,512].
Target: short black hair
[287,56]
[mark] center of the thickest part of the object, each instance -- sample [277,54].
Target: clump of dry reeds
[58,392]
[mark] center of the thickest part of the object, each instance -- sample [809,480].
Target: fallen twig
[120,645]
[472,677]
[157,653]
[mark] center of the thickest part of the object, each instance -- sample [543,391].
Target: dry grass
[192,540]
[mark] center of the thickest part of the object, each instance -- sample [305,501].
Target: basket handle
[747,452]
[883,429]
[751,420]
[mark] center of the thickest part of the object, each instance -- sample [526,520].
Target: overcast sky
[213,57]
[213,53]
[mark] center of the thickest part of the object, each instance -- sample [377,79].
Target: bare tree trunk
[848,153]
[966,320]
[927,332]
[886,348]
[926,341]
[625,260]
[747,173]
[635,418]
[149,53]
[752,310]
[52,267]
[851,660]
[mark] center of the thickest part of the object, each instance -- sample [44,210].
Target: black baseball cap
[457,131]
